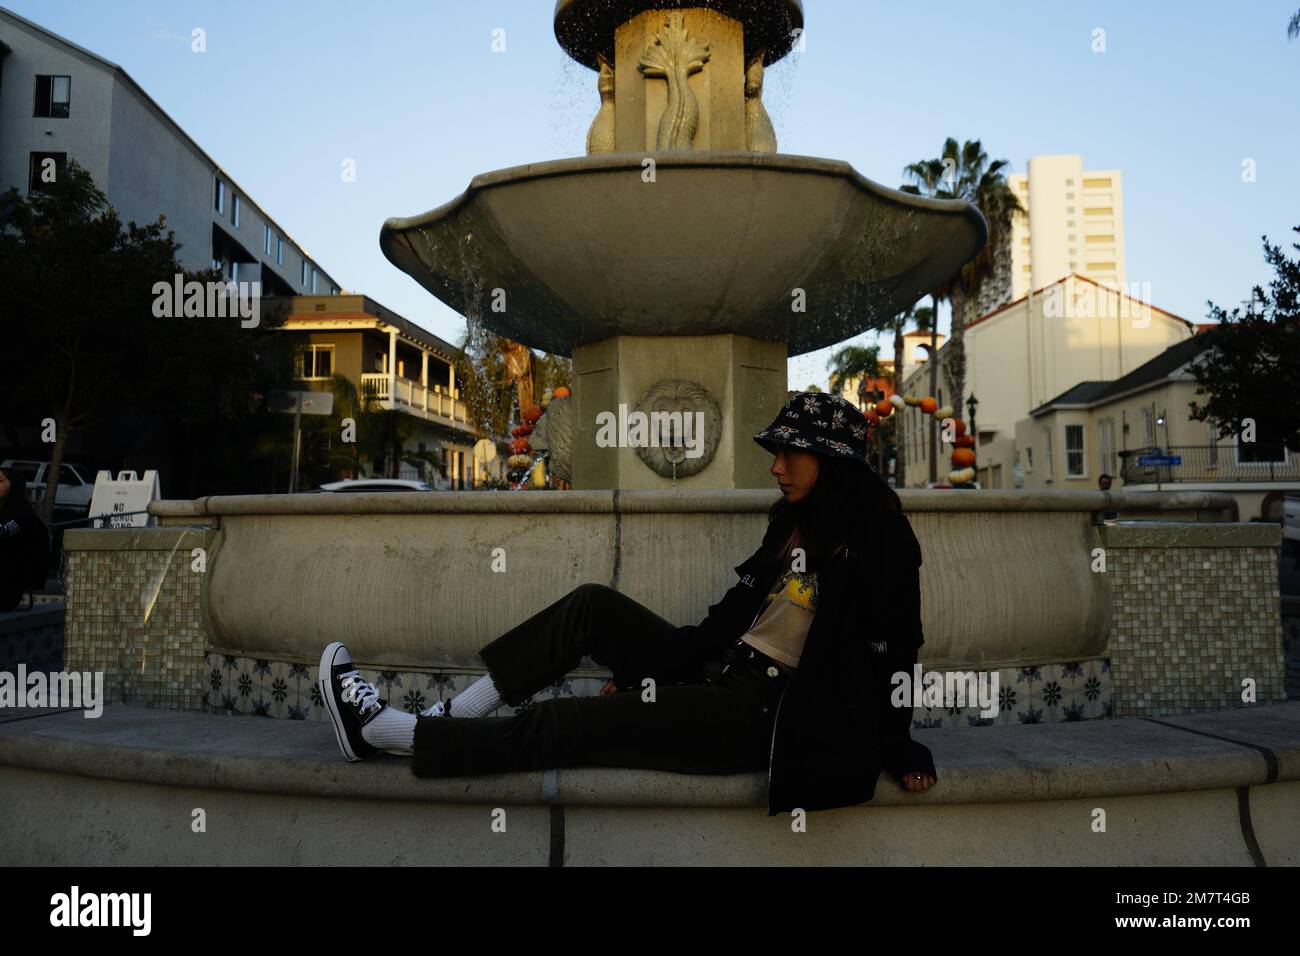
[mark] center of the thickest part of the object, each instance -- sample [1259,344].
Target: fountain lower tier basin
[790,249]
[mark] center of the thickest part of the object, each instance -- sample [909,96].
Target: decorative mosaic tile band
[241,685]
[262,688]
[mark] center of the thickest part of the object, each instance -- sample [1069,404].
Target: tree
[1251,368]
[1293,28]
[938,180]
[499,378]
[853,361]
[984,185]
[79,294]
[964,172]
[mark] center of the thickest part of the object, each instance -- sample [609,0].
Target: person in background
[24,542]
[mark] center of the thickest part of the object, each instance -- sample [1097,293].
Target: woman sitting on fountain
[790,672]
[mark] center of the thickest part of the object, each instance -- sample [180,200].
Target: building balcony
[1212,463]
[414,399]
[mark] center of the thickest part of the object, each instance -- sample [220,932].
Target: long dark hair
[846,501]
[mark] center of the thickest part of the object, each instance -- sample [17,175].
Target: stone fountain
[684,259]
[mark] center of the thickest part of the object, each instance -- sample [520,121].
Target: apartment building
[1074,225]
[406,369]
[61,102]
[1138,429]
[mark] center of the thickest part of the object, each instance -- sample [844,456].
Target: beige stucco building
[1029,352]
[1074,224]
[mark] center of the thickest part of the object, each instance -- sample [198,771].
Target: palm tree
[984,185]
[853,361]
[936,178]
[1293,28]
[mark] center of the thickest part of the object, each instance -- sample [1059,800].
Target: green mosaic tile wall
[137,616]
[1190,624]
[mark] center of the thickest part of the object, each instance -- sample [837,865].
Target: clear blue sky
[412,91]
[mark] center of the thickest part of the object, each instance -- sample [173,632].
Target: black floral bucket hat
[821,423]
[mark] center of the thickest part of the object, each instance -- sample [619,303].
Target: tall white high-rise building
[1075,224]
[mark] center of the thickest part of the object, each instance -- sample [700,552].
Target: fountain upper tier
[585,28]
[784,248]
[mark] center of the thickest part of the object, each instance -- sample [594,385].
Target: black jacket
[835,728]
[24,545]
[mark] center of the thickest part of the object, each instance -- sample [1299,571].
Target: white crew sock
[477,700]
[392,731]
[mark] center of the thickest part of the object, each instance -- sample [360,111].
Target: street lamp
[972,403]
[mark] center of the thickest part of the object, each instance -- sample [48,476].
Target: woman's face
[4,486]
[795,471]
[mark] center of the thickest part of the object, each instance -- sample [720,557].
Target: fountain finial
[585,28]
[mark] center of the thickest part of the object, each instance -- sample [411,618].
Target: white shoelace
[357,690]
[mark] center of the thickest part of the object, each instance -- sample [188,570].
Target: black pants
[692,726]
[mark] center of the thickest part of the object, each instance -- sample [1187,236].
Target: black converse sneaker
[351,700]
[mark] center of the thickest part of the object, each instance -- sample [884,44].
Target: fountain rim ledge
[653,501]
[670,159]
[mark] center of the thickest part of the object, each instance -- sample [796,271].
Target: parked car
[377,484]
[74,488]
[1291,526]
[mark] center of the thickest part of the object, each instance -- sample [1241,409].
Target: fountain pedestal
[733,381]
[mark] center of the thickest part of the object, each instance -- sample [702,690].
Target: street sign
[299,404]
[306,403]
[1159,461]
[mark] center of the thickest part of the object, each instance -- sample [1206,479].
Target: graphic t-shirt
[781,627]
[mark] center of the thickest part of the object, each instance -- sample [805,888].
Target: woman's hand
[609,688]
[914,782]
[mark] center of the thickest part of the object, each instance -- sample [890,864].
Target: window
[1069,182]
[1069,196]
[1069,210]
[46,168]
[1212,439]
[1047,454]
[1148,429]
[1029,460]
[53,96]
[1074,466]
[266,239]
[279,250]
[1096,183]
[219,198]
[315,361]
[234,209]
[334,290]
[306,269]
[313,281]
[1106,439]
